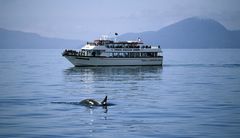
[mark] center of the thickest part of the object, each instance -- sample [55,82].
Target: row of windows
[133,54]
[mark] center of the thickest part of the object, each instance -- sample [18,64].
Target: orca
[89,103]
[92,102]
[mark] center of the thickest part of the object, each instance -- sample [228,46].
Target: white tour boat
[105,52]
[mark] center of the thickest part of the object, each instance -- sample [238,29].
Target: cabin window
[111,54]
[94,54]
[97,52]
[126,54]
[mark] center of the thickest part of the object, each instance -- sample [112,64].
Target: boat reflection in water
[86,81]
[115,73]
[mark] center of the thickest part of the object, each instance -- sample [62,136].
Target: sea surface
[196,94]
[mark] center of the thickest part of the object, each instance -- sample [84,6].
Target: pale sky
[89,19]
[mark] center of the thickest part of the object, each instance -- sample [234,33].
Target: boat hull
[106,61]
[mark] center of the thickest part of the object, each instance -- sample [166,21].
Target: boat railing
[69,52]
[133,47]
[126,49]
[73,53]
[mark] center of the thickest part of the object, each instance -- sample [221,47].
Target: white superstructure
[111,53]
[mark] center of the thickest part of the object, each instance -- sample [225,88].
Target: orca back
[90,102]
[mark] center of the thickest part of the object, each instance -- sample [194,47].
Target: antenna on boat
[116,34]
[104,37]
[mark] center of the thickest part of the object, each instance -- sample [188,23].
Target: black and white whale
[89,103]
[92,102]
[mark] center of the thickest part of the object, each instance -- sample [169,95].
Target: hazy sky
[88,19]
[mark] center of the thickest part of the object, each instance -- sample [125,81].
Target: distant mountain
[18,40]
[190,33]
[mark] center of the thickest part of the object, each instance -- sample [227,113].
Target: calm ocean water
[195,94]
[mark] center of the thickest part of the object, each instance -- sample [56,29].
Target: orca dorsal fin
[104,102]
